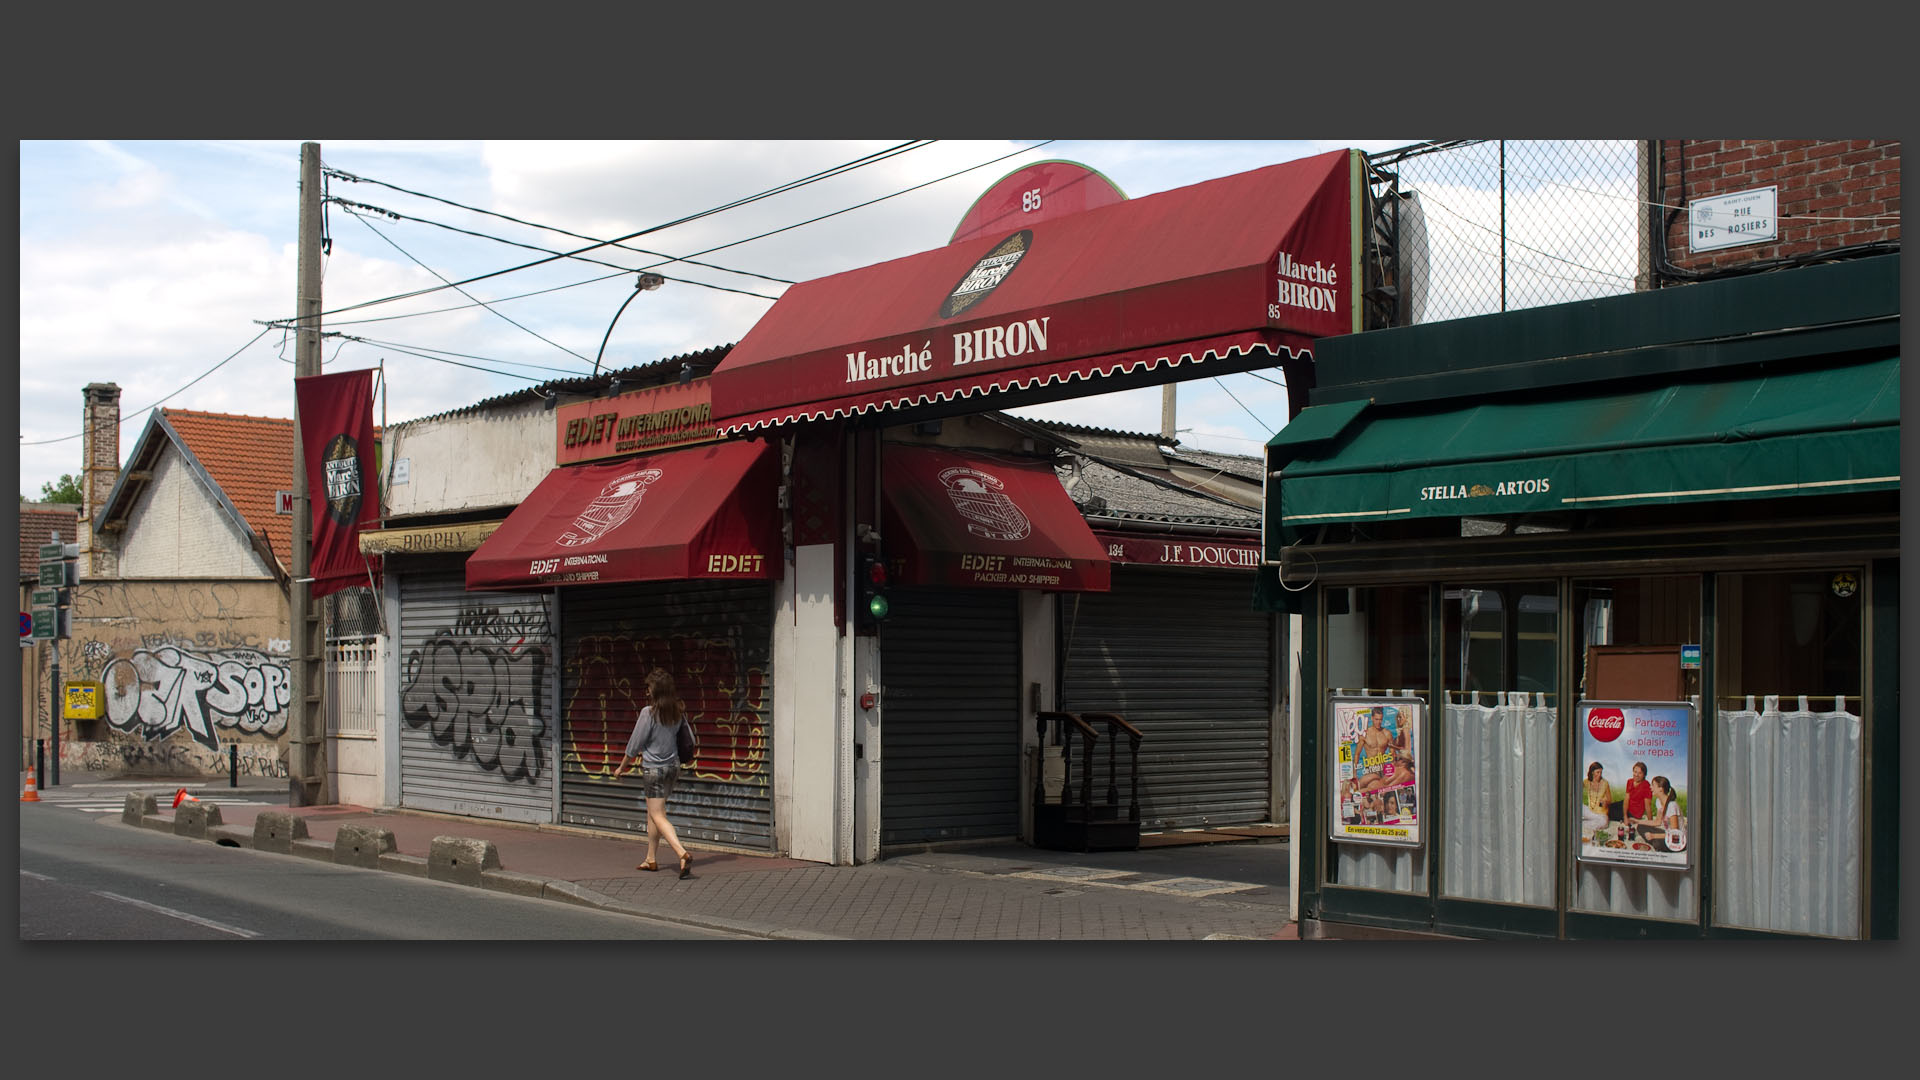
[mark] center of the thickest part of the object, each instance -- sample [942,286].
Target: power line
[473,367]
[461,291]
[128,416]
[1243,405]
[464,356]
[870,202]
[463,307]
[791,185]
[350,207]
[347,176]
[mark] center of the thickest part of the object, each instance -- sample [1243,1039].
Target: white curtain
[1788,800]
[1500,800]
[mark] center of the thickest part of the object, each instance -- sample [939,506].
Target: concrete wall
[188,667]
[806,689]
[473,461]
[178,529]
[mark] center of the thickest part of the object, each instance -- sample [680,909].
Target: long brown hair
[666,702]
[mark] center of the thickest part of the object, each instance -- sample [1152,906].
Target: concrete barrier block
[159,822]
[276,830]
[508,881]
[137,807]
[195,818]
[308,848]
[361,845]
[460,859]
[404,864]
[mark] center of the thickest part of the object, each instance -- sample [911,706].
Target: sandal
[648,865]
[686,866]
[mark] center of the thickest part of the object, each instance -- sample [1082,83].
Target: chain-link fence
[352,612]
[1474,226]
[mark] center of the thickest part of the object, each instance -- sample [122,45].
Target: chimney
[100,467]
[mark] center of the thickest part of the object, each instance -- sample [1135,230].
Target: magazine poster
[1635,784]
[1376,751]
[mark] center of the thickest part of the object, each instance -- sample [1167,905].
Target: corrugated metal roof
[703,361]
[38,523]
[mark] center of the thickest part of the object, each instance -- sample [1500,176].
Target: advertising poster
[1377,797]
[1635,785]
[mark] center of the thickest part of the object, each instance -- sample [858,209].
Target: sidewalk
[996,892]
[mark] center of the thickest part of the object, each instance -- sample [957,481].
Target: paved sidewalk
[996,892]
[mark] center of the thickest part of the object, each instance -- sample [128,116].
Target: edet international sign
[656,418]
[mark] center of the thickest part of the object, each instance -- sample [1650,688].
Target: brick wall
[1819,181]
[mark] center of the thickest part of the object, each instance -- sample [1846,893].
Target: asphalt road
[88,878]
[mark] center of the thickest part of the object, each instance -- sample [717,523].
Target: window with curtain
[1789,802]
[1628,637]
[1501,660]
[1377,642]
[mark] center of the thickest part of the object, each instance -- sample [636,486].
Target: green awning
[1798,433]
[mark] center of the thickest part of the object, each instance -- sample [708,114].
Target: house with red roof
[181,613]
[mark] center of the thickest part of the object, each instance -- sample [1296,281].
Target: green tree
[64,490]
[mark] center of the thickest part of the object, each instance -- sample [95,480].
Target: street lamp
[643,283]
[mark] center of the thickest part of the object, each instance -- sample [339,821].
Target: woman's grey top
[653,741]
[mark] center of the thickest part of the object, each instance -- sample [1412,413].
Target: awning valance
[1812,431]
[979,519]
[1244,269]
[701,512]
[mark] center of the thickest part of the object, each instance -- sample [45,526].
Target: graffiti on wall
[171,758]
[205,617]
[725,696]
[478,688]
[156,692]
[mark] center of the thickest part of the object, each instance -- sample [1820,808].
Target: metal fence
[353,686]
[1475,226]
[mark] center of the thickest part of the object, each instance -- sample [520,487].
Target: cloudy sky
[154,264]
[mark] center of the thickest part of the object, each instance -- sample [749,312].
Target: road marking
[1070,873]
[34,876]
[208,923]
[1187,886]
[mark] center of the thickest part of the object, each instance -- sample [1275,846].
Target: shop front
[1038,298]
[967,533]
[1599,632]
[1176,648]
[668,557]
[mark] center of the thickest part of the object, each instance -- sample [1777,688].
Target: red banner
[336,433]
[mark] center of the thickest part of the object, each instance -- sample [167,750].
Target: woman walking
[655,741]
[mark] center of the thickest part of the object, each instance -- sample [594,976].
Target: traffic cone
[32,794]
[182,796]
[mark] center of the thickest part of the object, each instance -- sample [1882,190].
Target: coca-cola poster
[1378,749]
[1635,785]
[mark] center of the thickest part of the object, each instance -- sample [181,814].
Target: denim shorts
[658,783]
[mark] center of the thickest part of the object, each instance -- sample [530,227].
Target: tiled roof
[250,457]
[38,523]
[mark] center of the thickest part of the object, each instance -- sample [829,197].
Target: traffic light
[873,594]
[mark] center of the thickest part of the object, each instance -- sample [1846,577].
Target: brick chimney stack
[100,468]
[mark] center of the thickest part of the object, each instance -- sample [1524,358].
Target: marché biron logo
[343,482]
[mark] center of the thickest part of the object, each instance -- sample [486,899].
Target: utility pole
[1169,395]
[306,734]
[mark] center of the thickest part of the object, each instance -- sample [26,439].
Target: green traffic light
[878,606]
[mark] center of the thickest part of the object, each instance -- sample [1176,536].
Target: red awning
[978,519]
[1252,265]
[702,512]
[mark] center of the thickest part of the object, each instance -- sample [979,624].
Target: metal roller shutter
[1184,657]
[950,735]
[476,704]
[717,640]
